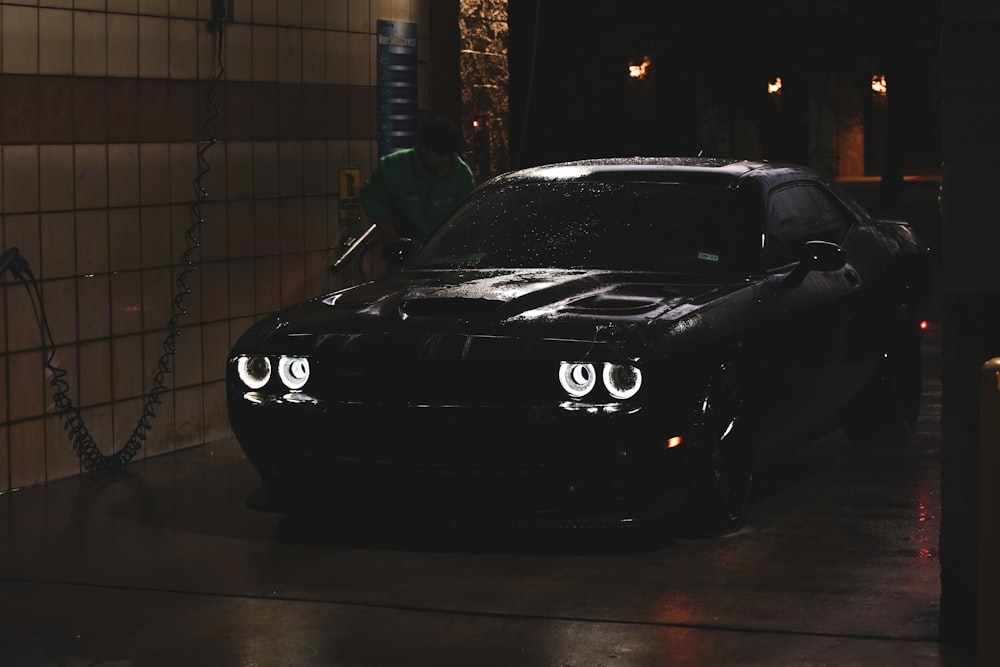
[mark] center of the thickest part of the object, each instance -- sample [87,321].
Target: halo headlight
[622,381]
[255,372]
[293,371]
[577,378]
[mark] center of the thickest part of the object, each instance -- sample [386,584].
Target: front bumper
[462,464]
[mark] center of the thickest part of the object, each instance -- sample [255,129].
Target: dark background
[571,97]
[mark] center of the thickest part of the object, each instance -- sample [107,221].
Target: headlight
[254,371]
[577,378]
[293,371]
[622,381]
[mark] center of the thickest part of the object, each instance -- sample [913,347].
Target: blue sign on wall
[397,86]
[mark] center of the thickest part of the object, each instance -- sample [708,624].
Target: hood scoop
[631,298]
[448,308]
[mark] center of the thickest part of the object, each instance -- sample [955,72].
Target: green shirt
[401,192]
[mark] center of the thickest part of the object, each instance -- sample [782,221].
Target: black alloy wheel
[723,461]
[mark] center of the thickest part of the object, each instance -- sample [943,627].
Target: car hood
[589,306]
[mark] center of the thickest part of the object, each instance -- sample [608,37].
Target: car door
[811,319]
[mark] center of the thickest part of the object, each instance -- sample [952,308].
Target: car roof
[706,170]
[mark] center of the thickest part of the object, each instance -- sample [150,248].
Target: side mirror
[396,252]
[816,256]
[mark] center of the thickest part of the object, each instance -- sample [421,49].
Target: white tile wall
[91,168]
[19,39]
[20,178]
[123,45]
[182,52]
[264,12]
[265,52]
[154,62]
[103,225]
[58,245]
[123,175]
[90,44]
[55,41]
[56,177]
[289,46]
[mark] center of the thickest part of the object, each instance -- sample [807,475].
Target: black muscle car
[603,341]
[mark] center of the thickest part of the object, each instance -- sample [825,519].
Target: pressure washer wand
[353,244]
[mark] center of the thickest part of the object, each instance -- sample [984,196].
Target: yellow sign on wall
[350,183]
[350,194]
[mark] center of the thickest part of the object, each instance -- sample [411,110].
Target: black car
[593,342]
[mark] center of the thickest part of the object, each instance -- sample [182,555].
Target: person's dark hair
[441,136]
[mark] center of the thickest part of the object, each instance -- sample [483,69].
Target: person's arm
[376,200]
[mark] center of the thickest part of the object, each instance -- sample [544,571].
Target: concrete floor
[166,566]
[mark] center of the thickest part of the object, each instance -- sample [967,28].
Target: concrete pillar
[970,50]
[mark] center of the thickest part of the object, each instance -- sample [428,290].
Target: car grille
[439,369]
[438,382]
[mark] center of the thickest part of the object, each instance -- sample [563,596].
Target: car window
[643,226]
[799,213]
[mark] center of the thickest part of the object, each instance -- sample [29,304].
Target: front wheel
[723,454]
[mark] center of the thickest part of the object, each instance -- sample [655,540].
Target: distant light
[639,71]
[878,84]
[924,325]
[774,87]
[673,442]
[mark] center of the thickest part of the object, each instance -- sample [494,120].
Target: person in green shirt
[412,190]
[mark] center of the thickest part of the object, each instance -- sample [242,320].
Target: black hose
[90,455]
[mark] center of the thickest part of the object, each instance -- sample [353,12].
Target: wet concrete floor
[165,565]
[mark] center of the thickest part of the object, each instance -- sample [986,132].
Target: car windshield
[633,226]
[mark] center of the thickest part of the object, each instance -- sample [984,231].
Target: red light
[924,325]
[673,442]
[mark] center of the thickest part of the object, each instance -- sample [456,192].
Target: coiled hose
[90,455]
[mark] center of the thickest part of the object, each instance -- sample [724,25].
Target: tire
[723,455]
[886,411]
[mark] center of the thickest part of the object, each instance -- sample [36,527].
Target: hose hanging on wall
[90,455]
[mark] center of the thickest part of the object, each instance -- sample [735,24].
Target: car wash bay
[165,565]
